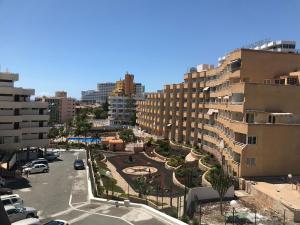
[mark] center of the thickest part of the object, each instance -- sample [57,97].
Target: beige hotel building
[246,111]
[23,123]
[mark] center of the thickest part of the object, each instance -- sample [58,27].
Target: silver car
[37,168]
[20,213]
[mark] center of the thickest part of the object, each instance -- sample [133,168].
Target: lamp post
[290,176]
[233,204]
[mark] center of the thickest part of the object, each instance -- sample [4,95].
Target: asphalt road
[62,194]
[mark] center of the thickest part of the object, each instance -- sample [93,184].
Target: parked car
[28,221]
[13,199]
[50,156]
[79,164]
[6,191]
[2,182]
[19,213]
[36,161]
[37,168]
[57,222]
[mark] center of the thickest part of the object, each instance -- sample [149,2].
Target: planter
[160,156]
[196,154]
[176,182]
[205,182]
[202,166]
[168,167]
[179,147]
[104,159]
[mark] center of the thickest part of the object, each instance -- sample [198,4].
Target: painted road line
[100,214]
[68,210]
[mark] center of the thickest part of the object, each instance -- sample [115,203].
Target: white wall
[206,193]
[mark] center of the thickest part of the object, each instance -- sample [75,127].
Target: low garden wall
[195,154]
[168,167]
[176,182]
[202,166]
[205,182]
[160,156]
[179,146]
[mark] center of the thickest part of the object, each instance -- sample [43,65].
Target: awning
[226,97]
[281,114]
[206,89]
[212,111]
[235,60]
[219,97]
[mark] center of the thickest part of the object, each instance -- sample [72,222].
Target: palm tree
[221,182]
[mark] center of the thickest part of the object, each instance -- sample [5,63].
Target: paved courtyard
[62,194]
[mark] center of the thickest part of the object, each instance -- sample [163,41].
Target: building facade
[122,101]
[100,95]
[245,111]
[61,107]
[23,123]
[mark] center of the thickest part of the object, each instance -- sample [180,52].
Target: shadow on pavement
[18,183]
[56,160]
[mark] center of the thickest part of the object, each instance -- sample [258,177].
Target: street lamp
[233,204]
[290,176]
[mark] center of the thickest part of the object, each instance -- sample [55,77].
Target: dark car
[79,164]
[6,191]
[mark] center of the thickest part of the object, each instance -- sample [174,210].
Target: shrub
[185,219]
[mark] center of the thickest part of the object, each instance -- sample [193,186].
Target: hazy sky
[73,44]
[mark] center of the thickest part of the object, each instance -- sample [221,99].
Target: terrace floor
[162,178]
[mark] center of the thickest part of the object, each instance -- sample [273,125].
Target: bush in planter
[185,219]
[173,162]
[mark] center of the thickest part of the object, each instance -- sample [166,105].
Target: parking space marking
[93,213]
[69,210]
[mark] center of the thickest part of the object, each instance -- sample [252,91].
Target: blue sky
[73,44]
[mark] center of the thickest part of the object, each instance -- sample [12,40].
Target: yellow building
[245,111]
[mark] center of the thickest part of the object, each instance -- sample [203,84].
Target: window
[250,118]
[271,119]
[6,202]
[252,140]
[267,81]
[250,162]
[292,80]
[280,81]
[14,200]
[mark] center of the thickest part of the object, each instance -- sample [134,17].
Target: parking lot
[62,194]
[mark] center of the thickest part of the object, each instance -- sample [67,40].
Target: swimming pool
[86,140]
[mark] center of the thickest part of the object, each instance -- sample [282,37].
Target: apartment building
[23,123]
[100,95]
[245,111]
[122,101]
[61,107]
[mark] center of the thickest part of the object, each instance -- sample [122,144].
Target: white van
[13,199]
[29,221]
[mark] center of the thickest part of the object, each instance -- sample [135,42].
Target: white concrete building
[100,95]
[23,123]
[121,110]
